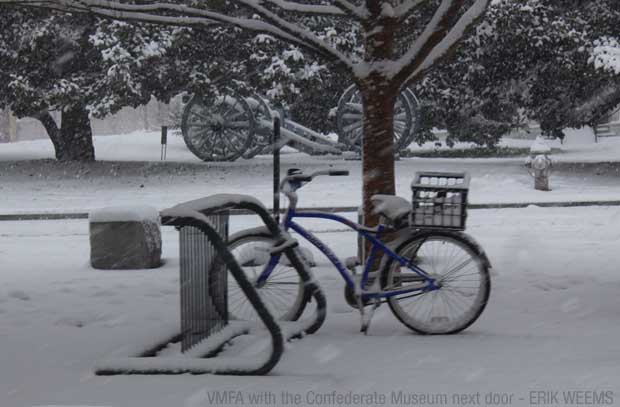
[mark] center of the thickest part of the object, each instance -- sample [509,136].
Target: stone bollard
[539,167]
[125,238]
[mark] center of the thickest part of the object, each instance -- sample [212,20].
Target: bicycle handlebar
[295,179]
[331,173]
[297,176]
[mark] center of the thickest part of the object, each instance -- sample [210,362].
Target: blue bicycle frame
[369,234]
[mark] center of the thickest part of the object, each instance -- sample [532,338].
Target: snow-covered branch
[407,7]
[428,39]
[310,9]
[432,28]
[183,15]
[294,30]
[350,9]
[453,36]
[437,38]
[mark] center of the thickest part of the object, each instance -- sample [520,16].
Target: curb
[332,209]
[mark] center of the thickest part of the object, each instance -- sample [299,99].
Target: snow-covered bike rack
[200,354]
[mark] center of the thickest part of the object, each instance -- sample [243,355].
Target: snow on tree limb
[440,49]
[184,15]
[194,17]
[350,9]
[433,27]
[429,38]
[406,7]
[292,29]
[308,8]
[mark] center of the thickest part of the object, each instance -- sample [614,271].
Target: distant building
[149,117]
[8,127]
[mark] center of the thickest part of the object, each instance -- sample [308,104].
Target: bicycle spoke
[458,267]
[462,287]
[280,291]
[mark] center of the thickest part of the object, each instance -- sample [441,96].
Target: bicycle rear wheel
[459,267]
[283,293]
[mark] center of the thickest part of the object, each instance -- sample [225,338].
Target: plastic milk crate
[439,200]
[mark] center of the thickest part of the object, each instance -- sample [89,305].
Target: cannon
[227,127]
[350,116]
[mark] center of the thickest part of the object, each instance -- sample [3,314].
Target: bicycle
[434,281]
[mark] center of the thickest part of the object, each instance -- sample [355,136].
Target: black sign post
[276,168]
[164,142]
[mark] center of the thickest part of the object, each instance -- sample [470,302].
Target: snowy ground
[129,172]
[552,323]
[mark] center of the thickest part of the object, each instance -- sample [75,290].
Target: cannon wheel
[264,128]
[414,104]
[350,116]
[221,131]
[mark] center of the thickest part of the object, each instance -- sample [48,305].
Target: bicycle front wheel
[283,292]
[459,268]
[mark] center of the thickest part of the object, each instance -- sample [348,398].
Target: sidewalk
[331,209]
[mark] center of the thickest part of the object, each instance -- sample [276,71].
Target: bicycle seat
[394,208]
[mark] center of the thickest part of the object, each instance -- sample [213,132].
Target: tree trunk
[73,141]
[53,132]
[76,135]
[378,97]
[377,146]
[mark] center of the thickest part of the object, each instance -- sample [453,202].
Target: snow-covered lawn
[552,323]
[130,173]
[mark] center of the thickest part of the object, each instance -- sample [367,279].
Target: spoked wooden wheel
[350,115]
[414,106]
[264,126]
[218,131]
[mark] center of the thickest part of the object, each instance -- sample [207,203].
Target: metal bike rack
[205,326]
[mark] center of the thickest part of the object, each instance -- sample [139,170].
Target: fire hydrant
[539,167]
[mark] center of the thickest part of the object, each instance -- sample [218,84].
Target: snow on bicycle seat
[392,207]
